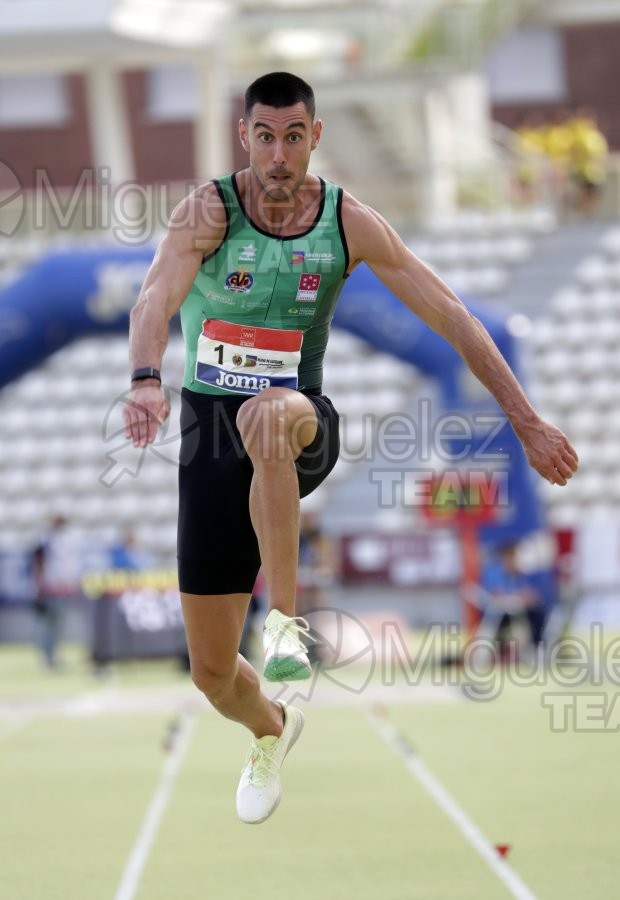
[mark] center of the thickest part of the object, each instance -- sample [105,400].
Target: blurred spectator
[576,152]
[557,138]
[257,608]
[588,160]
[508,597]
[128,554]
[532,158]
[56,571]
[315,570]
[314,573]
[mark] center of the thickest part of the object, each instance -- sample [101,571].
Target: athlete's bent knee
[213,683]
[262,423]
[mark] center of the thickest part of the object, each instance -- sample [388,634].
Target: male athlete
[255,262]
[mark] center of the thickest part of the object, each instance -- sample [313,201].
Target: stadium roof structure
[357,53]
[61,33]
[102,38]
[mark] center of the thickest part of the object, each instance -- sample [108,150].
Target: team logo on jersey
[240,282]
[237,360]
[308,287]
[298,257]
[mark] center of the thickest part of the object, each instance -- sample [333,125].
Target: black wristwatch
[148,372]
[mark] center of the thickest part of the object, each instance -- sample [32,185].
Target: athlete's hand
[146,408]
[549,451]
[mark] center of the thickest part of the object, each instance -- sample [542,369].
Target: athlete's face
[279,142]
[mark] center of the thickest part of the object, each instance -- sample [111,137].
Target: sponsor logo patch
[308,288]
[298,257]
[245,384]
[248,254]
[219,298]
[248,337]
[320,257]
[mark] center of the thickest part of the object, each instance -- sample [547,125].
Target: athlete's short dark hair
[279,89]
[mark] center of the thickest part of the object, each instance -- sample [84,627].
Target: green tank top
[257,279]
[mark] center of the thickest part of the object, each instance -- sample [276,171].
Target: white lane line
[15,723]
[85,703]
[153,816]
[399,744]
[90,703]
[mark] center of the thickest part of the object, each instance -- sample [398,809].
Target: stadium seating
[576,358]
[58,427]
[475,251]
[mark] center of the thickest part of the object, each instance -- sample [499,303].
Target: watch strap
[146,372]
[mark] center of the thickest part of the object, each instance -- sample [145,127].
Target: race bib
[246,359]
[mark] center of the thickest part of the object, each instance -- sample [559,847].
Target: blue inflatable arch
[76,293]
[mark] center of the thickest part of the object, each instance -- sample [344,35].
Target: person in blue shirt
[128,554]
[508,595]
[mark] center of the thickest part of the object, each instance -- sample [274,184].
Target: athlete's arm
[197,227]
[371,240]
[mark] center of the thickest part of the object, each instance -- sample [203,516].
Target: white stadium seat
[489,280]
[514,249]
[566,516]
[544,334]
[604,392]
[611,242]
[574,335]
[555,363]
[590,363]
[584,423]
[608,456]
[592,271]
[567,304]
[603,302]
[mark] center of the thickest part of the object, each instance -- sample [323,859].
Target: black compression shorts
[217,547]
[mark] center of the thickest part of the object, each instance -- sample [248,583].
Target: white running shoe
[260,789]
[286,657]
